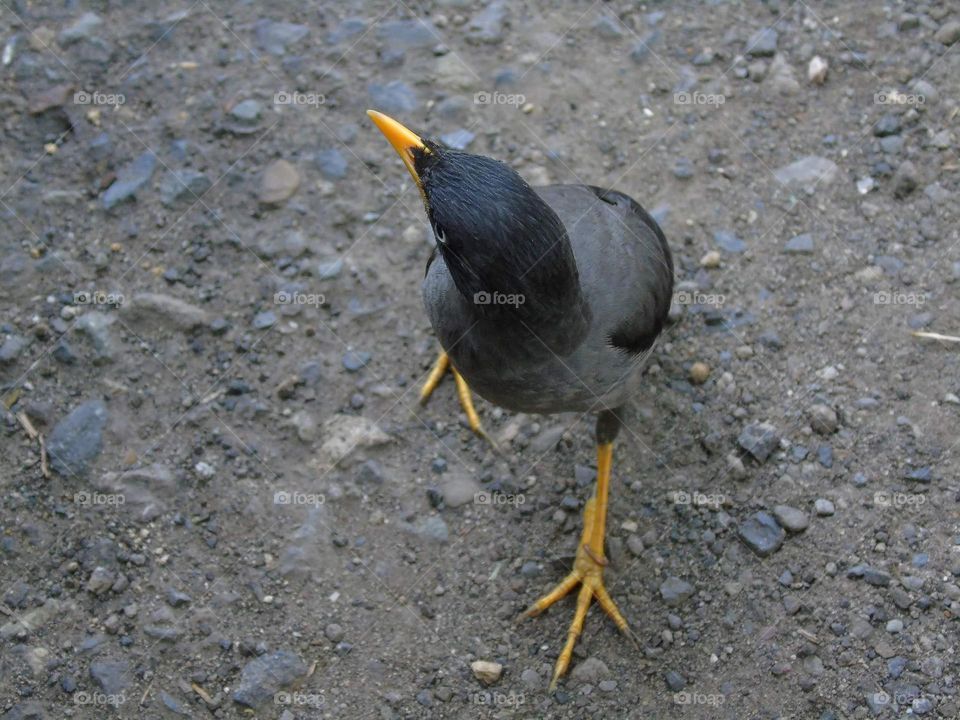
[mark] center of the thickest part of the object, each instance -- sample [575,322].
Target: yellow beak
[404,141]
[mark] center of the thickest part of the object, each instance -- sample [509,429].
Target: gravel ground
[219,494]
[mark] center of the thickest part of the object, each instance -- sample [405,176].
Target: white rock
[485,671]
[817,70]
[345,433]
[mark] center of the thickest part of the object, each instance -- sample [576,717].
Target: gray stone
[905,179]
[129,180]
[761,533]
[166,310]
[948,33]
[675,591]
[763,43]
[334,632]
[433,528]
[29,710]
[111,676]
[332,163]
[791,518]
[246,112]
[674,680]
[926,90]
[393,97]
[823,507]
[96,327]
[348,28]
[402,35]
[459,489]
[932,666]
[729,241]
[100,580]
[356,360]
[813,665]
[800,245]
[641,50]
[268,674]
[591,671]
[328,270]
[808,171]
[487,26]
[607,27]
[759,439]
[921,475]
[82,28]
[274,37]
[531,679]
[888,124]
[176,598]
[823,419]
[11,349]
[77,439]
[871,575]
[921,706]
[781,77]
[264,320]
[173,705]
[183,185]
[458,139]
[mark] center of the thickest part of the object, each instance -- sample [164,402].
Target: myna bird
[544,300]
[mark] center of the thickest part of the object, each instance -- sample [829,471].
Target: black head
[506,250]
[504,246]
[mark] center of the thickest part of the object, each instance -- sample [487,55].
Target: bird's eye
[440,234]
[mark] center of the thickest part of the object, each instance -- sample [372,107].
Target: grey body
[626,279]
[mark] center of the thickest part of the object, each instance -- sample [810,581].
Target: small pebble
[486,672]
[699,372]
[823,507]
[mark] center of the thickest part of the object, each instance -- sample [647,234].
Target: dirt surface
[210,313]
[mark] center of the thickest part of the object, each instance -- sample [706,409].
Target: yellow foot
[588,573]
[463,392]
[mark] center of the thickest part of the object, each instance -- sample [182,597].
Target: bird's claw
[588,573]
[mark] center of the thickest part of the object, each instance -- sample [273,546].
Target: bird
[544,300]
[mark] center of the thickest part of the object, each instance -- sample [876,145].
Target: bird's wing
[626,270]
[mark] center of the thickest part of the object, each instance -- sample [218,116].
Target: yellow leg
[440,368]
[436,375]
[587,568]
